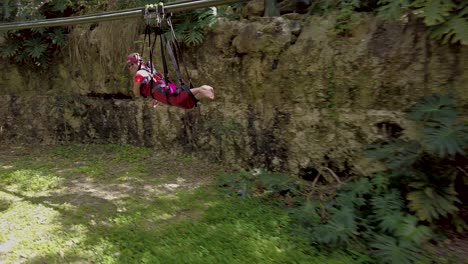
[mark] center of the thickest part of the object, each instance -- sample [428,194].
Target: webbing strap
[174,61]
[165,72]
[178,52]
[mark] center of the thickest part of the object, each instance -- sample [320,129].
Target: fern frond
[339,230]
[397,154]
[440,108]
[39,30]
[60,5]
[459,26]
[276,181]
[307,214]
[454,30]
[359,188]
[57,37]
[410,230]
[21,57]
[194,37]
[445,139]
[432,203]
[434,11]
[460,225]
[387,204]
[6,10]
[35,47]
[393,9]
[390,250]
[389,223]
[9,50]
[207,19]
[380,182]
[349,199]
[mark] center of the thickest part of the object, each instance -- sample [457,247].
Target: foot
[207,91]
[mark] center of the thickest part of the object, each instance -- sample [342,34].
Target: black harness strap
[176,57]
[173,53]
[174,61]
[178,51]
[165,70]
[177,70]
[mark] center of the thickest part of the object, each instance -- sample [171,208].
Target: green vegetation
[427,167]
[126,204]
[36,47]
[395,213]
[123,204]
[446,21]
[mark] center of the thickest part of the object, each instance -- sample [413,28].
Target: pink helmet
[134,58]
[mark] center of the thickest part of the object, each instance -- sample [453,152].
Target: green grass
[111,204]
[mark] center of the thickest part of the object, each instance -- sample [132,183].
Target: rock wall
[292,92]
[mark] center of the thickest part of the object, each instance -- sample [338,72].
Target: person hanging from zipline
[149,82]
[153,85]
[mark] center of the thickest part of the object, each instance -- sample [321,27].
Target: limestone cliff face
[292,92]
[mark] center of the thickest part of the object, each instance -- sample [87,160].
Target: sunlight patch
[31,180]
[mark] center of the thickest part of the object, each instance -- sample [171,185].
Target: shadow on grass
[82,203]
[231,231]
[4,204]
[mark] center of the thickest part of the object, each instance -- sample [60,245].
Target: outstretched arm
[136,89]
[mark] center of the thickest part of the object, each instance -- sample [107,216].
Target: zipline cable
[113,15]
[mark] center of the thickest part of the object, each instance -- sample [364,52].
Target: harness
[161,28]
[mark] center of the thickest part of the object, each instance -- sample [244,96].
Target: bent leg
[203,91]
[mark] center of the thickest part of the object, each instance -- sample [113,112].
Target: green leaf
[387,204]
[57,37]
[410,230]
[21,57]
[276,181]
[454,30]
[359,188]
[60,5]
[434,11]
[460,225]
[444,140]
[9,50]
[380,182]
[441,204]
[389,223]
[339,230]
[396,155]
[40,30]
[459,29]
[440,108]
[7,9]
[194,37]
[35,47]
[393,9]
[307,214]
[390,250]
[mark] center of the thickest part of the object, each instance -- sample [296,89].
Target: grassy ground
[123,204]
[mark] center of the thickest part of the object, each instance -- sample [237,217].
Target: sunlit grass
[101,204]
[29,180]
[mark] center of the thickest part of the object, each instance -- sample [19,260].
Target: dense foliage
[38,46]
[447,20]
[394,213]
